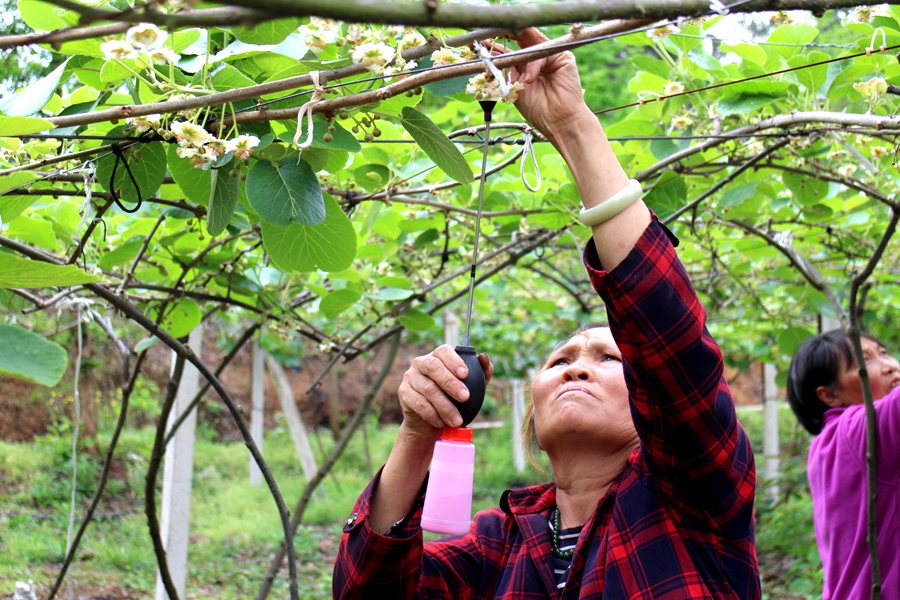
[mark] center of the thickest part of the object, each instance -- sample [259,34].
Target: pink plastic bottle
[448,497]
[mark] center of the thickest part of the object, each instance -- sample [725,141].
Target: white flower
[320,33]
[682,122]
[411,40]
[190,134]
[879,151]
[145,123]
[847,170]
[118,49]
[146,36]
[242,145]
[373,56]
[865,14]
[186,152]
[662,32]
[673,87]
[163,56]
[485,87]
[445,56]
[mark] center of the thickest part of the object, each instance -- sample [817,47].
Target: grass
[234,525]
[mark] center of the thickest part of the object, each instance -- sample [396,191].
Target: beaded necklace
[554,540]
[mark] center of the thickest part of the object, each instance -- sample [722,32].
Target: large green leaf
[436,145]
[338,301]
[44,16]
[807,191]
[194,182]
[288,193]
[29,356]
[147,163]
[750,95]
[329,246]
[181,319]
[32,98]
[416,320]
[222,200]
[23,125]
[16,272]
[667,196]
[270,32]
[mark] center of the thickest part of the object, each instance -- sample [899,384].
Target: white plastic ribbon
[717,6]
[317,96]
[485,55]
[529,151]
[883,46]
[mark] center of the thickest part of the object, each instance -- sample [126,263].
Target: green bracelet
[606,210]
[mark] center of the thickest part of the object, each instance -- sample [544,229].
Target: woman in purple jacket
[653,476]
[825,391]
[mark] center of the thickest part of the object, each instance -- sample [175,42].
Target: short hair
[529,435]
[816,363]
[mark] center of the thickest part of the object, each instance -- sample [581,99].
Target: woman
[825,391]
[652,473]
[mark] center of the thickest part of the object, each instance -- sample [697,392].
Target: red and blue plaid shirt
[676,525]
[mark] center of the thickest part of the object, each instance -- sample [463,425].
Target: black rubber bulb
[475,382]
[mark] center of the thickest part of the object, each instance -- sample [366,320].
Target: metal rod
[488,109]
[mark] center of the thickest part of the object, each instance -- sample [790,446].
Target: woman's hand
[552,99]
[427,387]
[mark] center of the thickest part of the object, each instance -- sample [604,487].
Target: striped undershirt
[567,540]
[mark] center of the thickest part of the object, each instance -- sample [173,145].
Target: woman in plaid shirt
[653,474]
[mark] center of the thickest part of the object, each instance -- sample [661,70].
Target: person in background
[825,392]
[653,476]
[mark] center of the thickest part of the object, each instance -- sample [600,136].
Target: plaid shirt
[676,525]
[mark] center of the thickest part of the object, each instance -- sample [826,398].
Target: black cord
[120,157]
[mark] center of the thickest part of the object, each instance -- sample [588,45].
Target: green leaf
[270,32]
[222,200]
[790,338]
[667,196]
[795,35]
[122,254]
[416,320]
[390,294]
[10,126]
[12,206]
[739,194]
[44,16]
[18,272]
[32,98]
[338,301]
[194,183]
[15,180]
[225,77]
[744,102]
[145,343]
[147,163]
[288,193]
[181,319]
[436,145]
[29,356]
[807,191]
[329,246]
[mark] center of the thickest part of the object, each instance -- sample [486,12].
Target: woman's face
[581,391]
[884,375]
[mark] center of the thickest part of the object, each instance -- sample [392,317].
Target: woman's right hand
[427,387]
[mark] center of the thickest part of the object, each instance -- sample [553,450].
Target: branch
[521,15]
[98,218]
[336,452]
[779,122]
[725,180]
[255,91]
[57,37]
[189,18]
[806,268]
[134,314]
